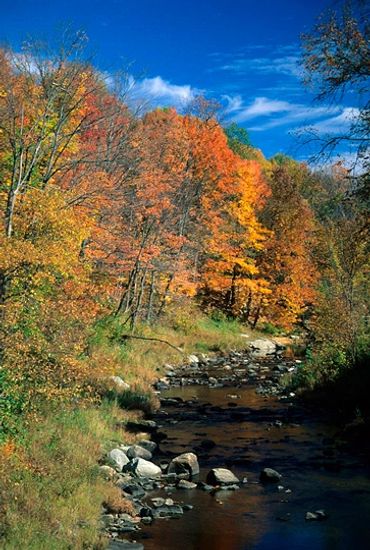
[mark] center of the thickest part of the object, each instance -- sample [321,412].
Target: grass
[51,492]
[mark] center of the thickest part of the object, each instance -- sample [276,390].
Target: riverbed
[237,422]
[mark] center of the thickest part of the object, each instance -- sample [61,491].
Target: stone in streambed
[118,459]
[186,463]
[221,476]
[262,347]
[268,475]
[184,484]
[132,488]
[148,445]
[172,511]
[143,468]
[318,515]
[136,451]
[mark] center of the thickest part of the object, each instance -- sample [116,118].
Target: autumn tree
[287,262]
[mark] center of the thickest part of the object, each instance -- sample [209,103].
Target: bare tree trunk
[257,314]
[150,298]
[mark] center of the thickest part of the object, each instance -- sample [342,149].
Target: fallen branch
[126,336]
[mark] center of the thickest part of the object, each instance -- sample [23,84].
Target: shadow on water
[237,428]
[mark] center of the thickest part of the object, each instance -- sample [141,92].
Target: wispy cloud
[339,123]
[278,60]
[264,113]
[286,65]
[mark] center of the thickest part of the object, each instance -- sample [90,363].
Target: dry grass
[51,490]
[115,503]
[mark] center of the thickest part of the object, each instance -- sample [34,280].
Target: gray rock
[193,359]
[158,501]
[148,445]
[143,468]
[262,347]
[187,507]
[212,380]
[318,515]
[136,451]
[186,463]
[173,511]
[118,458]
[268,475]
[132,489]
[221,476]
[184,484]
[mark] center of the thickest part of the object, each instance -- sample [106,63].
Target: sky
[243,53]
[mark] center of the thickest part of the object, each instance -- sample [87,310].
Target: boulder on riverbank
[143,468]
[118,459]
[136,451]
[263,346]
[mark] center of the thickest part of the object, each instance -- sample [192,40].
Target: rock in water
[263,346]
[136,451]
[143,468]
[148,445]
[187,463]
[268,475]
[118,458]
[221,476]
[318,515]
[184,484]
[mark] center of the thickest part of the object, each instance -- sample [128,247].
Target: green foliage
[135,399]
[269,328]
[11,406]
[239,142]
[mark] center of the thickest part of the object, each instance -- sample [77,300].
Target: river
[233,426]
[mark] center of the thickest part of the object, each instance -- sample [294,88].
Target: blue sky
[243,53]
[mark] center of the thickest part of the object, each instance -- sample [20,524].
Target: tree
[337,61]
[287,262]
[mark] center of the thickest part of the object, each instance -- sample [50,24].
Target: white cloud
[233,103]
[157,91]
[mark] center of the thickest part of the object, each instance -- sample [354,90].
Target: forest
[118,221]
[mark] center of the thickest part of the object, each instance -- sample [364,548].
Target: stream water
[235,427]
